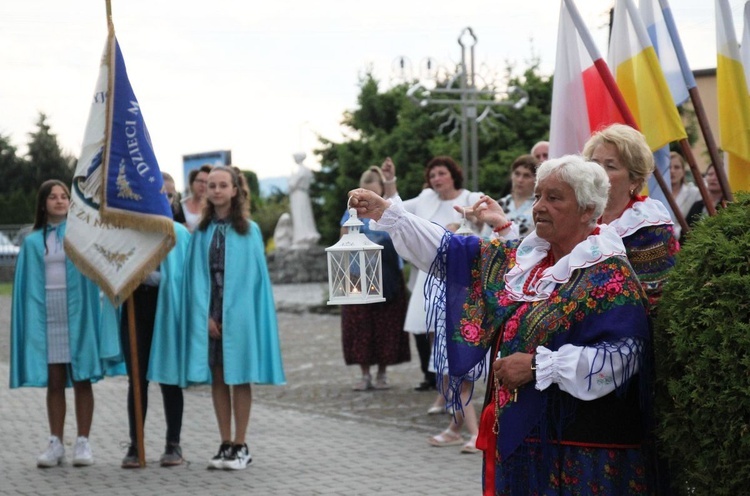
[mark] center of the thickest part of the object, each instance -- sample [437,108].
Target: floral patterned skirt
[573,471]
[373,334]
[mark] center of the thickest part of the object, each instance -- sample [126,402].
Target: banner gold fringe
[87,268]
[138,221]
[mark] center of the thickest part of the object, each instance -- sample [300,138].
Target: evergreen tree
[23,176]
[45,159]
[9,164]
[17,207]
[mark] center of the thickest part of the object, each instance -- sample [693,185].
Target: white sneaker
[239,459]
[82,455]
[225,451]
[54,454]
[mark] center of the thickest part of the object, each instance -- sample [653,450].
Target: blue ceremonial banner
[119,226]
[134,182]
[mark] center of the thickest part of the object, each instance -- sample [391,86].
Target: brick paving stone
[312,436]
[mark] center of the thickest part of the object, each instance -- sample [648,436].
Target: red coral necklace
[536,272]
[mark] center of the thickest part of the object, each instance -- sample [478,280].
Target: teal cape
[94,349]
[250,332]
[166,362]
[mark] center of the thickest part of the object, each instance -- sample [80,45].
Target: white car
[8,251]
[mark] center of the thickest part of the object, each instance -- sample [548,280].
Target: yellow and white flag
[639,76]
[733,99]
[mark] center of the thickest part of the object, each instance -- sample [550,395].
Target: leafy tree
[265,211]
[387,123]
[269,210]
[251,178]
[517,130]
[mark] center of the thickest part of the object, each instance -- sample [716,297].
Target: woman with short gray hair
[564,317]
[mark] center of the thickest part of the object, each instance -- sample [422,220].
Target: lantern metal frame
[355,268]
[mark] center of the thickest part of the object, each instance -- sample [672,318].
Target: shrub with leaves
[702,349]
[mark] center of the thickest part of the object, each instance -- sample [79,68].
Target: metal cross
[469,101]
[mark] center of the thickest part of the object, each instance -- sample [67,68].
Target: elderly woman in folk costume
[644,224]
[564,316]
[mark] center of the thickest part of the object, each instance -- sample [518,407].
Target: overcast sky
[262,78]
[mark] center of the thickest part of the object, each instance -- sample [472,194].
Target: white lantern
[355,271]
[464,229]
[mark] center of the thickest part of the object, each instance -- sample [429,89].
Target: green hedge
[702,349]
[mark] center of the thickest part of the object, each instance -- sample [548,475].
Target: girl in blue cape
[160,348]
[229,313]
[55,337]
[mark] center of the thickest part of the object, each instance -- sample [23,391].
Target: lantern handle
[353,220]
[463,228]
[352,210]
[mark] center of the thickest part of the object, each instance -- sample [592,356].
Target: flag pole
[614,92]
[622,106]
[136,381]
[713,150]
[130,304]
[688,153]
[700,114]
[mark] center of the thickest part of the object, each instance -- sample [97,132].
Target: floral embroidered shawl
[648,234]
[599,304]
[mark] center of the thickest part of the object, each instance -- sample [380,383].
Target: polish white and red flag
[583,91]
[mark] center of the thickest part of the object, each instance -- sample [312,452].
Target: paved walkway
[313,436]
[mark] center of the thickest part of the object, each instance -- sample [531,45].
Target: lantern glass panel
[354,268]
[338,274]
[373,273]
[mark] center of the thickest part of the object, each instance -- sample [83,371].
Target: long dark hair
[236,209]
[244,189]
[40,213]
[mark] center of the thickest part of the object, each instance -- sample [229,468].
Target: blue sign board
[196,160]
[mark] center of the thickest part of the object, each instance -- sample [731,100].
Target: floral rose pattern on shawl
[476,325]
[471,323]
[595,291]
[488,307]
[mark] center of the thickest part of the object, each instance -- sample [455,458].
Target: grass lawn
[6,289]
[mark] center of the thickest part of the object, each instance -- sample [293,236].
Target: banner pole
[135,377]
